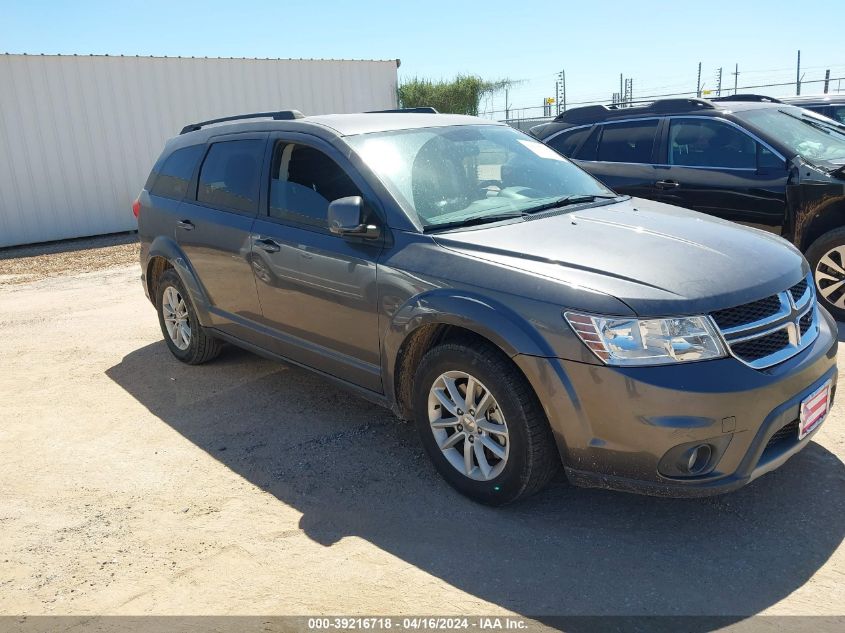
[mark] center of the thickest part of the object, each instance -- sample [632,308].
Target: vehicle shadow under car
[352,468]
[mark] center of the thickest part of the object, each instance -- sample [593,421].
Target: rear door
[716,167]
[214,228]
[317,290]
[620,154]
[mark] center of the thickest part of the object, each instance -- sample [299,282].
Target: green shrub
[462,95]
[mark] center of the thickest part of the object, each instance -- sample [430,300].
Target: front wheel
[827,259]
[481,423]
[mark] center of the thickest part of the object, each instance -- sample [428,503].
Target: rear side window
[630,142]
[568,142]
[708,143]
[230,175]
[176,172]
[303,181]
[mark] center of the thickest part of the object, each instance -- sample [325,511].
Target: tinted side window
[630,142]
[303,181]
[176,172]
[230,175]
[568,142]
[705,143]
[837,113]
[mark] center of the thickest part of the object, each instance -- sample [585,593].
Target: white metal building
[79,134]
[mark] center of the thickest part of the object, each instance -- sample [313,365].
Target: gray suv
[474,280]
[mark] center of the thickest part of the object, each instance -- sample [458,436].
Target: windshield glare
[811,136]
[447,174]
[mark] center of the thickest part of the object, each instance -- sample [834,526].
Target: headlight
[625,341]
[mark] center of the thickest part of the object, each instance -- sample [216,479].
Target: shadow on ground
[352,469]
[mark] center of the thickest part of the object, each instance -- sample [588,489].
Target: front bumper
[614,425]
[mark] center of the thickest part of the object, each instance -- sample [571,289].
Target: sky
[657,44]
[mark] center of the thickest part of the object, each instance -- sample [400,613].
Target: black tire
[532,459]
[817,250]
[202,346]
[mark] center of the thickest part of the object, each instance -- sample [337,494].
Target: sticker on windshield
[541,150]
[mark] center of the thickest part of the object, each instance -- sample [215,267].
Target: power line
[652,97]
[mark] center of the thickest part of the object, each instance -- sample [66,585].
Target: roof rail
[748,97]
[594,113]
[281,115]
[417,110]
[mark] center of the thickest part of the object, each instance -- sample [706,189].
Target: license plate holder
[814,409]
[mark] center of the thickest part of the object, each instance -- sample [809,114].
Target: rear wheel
[827,259]
[481,424]
[185,337]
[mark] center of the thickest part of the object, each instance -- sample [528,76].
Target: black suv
[752,160]
[470,278]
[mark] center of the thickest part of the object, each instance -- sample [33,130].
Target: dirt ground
[133,484]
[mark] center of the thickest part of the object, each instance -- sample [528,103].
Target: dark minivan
[472,279]
[752,160]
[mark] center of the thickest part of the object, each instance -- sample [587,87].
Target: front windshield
[446,175]
[811,136]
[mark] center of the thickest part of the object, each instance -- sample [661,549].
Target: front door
[317,291]
[714,167]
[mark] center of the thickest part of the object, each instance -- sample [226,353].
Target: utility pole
[826,80]
[561,77]
[557,96]
[507,107]
[798,75]
[719,83]
[736,77]
[621,90]
[698,82]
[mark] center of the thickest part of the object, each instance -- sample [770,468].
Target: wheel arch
[819,217]
[165,254]
[433,318]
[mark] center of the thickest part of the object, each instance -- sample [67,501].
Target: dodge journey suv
[472,279]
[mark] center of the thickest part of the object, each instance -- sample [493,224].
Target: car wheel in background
[827,260]
[185,337]
[481,423]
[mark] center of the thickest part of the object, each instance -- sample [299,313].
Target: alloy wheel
[176,320]
[830,276]
[468,425]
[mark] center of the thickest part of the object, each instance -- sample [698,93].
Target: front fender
[482,315]
[169,249]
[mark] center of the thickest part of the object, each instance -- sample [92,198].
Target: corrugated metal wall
[79,134]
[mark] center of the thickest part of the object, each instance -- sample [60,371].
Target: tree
[462,95]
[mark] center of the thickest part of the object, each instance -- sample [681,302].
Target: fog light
[698,458]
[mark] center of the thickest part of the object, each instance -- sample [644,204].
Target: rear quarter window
[567,142]
[175,173]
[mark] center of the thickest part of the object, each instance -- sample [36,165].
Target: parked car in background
[470,278]
[831,106]
[754,160]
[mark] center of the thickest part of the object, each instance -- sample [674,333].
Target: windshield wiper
[567,200]
[473,220]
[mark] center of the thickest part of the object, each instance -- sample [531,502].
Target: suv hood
[659,259]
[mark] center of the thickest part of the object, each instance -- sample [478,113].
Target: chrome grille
[768,331]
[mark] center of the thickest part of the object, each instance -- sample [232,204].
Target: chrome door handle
[268,245]
[667,184]
[185,224]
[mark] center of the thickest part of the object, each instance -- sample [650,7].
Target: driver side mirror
[345,217]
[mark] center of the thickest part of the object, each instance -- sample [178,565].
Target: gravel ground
[133,484]
[24,264]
